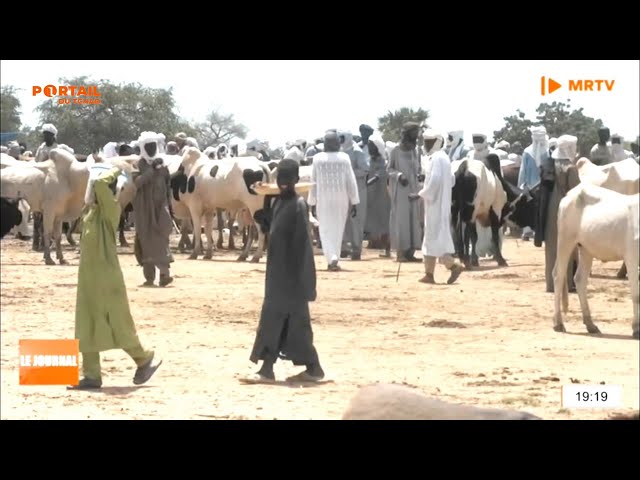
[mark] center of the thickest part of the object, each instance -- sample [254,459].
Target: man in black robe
[285,330]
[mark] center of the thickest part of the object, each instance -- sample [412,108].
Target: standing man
[378,201]
[152,205]
[49,133]
[334,189]
[532,158]
[439,180]
[354,227]
[457,148]
[558,176]
[404,168]
[103,319]
[285,329]
[601,151]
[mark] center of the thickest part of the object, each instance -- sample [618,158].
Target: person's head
[503,145]
[346,140]
[616,139]
[454,138]
[539,135]
[181,139]
[287,177]
[517,148]
[553,144]
[376,146]
[479,141]
[23,147]
[409,134]
[331,141]
[172,148]
[125,150]
[567,148]
[13,149]
[603,135]
[365,132]
[433,141]
[49,133]
[149,145]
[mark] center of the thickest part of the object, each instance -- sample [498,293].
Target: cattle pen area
[486,340]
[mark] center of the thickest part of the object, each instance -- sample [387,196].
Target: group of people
[349,181]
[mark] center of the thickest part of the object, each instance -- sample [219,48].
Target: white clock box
[576,395]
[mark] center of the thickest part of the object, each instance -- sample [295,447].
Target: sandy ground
[486,340]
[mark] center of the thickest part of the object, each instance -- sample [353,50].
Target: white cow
[603,224]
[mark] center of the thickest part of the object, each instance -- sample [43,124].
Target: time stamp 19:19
[591,396]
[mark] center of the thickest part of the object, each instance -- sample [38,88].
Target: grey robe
[354,227]
[378,200]
[290,284]
[404,221]
[153,220]
[566,177]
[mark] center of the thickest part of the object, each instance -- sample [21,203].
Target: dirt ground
[486,340]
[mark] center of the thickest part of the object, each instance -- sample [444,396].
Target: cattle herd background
[487,340]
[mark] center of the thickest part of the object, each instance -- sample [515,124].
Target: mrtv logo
[70,94]
[549,85]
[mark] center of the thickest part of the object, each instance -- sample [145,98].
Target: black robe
[290,284]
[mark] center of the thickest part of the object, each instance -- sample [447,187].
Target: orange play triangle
[553,85]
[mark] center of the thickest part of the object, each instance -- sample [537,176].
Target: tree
[516,129]
[219,128]
[125,111]
[558,119]
[390,125]
[9,110]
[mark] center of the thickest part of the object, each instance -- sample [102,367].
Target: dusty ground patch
[368,329]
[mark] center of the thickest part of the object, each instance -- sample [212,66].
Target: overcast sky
[284,100]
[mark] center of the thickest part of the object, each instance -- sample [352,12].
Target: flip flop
[304,377]
[257,379]
[86,384]
[144,373]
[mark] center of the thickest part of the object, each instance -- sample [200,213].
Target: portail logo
[549,85]
[70,94]
[49,362]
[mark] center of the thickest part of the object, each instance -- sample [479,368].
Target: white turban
[567,147]
[503,145]
[433,135]
[553,142]
[110,150]
[150,137]
[379,143]
[49,127]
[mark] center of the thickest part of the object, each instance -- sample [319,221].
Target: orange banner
[49,362]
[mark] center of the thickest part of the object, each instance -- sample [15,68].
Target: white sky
[281,100]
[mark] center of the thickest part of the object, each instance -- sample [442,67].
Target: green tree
[516,129]
[390,125]
[219,128]
[9,110]
[559,119]
[125,111]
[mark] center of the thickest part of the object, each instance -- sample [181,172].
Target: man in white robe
[457,148]
[618,152]
[437,243]
[334,189]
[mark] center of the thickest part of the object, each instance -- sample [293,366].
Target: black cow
[10,215]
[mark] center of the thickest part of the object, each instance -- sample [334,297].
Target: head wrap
[49,127]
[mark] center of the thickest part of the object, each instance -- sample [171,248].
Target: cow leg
[622,273]
[261,243]
[560,286]
[196,219]
[57,235]
[495,238]
[632,259]
[47,233]
[471,236]
[230,222]
[581,279]
[208,231]
[37,243]
[247,246]
[220,220]
[121,225]
[71,228]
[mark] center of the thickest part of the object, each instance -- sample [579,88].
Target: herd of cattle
[599,216]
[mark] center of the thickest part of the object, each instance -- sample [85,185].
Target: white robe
[436,193]
[334,189]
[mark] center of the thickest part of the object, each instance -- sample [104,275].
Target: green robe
[103,319]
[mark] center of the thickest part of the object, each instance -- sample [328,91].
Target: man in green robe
[103,319]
